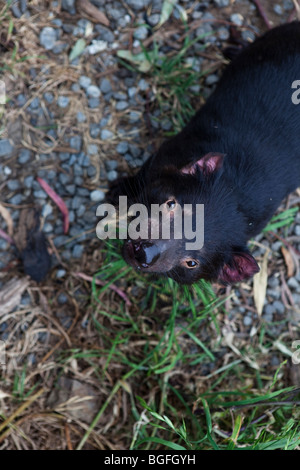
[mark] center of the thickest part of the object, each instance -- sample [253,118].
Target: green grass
[175,404]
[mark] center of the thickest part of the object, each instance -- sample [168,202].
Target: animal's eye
[171,204]
[191,263]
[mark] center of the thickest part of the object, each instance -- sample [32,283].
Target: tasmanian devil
[239,157]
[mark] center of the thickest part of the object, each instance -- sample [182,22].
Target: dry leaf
[260,281]
[7,217]
[288,261]
[11,293]
[92,12]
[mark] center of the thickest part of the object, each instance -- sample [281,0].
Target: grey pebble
[138,4]
[94,130]
[63,101]
[247,320]
[105,85]
[221,3]
[279,307]
[121,105]
[141,33]
[93,91]
[77,251]
[48,38]
[49,97]
[76,142]
[112,175]
[84,81]
[278,9]
[13,185]
[16,10]
[106,134]
[60,273]
[16,200]
[97,195]
[28,181]
[237,19]
[5,148]
[93,149]
[69,5]
[122,147]
[24,156]
[80,117]
[93,103]
[143,84]
[111,165]
[211,79]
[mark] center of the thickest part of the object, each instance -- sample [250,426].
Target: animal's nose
[145,253]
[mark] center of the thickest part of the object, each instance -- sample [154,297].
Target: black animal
[239,156]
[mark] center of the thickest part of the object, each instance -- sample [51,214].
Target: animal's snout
[144,253]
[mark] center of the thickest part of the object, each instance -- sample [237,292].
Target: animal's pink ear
[242,266]
[208,164]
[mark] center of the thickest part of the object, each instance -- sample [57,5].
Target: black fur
[251,120]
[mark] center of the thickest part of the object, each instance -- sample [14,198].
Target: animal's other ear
[241,267]
[210,163]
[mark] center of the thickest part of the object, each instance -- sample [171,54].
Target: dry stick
[20,409]
[102,283]
[262,13]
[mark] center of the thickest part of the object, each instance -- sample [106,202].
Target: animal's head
[190,227]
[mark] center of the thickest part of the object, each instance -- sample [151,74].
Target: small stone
[138,4]
[80,117]
[60,273]
[28,181]
[76,142]
[63,101]
[92,149]
[94,130]
[279,307]
[69,5]
[278,9]
[97,195]
[121,105]
[84,81]
[49,97]
[93,103]
[122,147]
[141,33]
[13,185]
[111,165]
[247,320]
[16,200]
[221,3]
[93,91]
[16,10]
[211,79]
[112,175]
[24,156]
[237,19]
[105,85]
[106,134]
[143,85]
[293,283]
[48,38]
[77,251]
[223,34]
[6,148]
